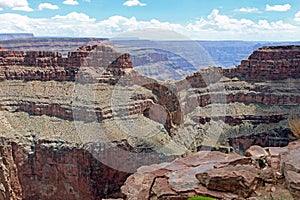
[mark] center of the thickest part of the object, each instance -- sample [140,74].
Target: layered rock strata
[255,98]
[76,108]
[73,105]
[233,88]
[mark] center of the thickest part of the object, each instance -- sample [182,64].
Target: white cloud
[24,8]
[217,26]
[21,5]
[279,8]
[77,17]
[213,27]
[134,3]
[71,2]
[297,17]
[248,10]
[47,6]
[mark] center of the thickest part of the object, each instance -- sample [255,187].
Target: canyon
[77,126]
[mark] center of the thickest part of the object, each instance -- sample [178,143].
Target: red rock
[240,180]
[178,178]
[184,180]
[293,183]
[290,163]
[123,62]
[256,152]
[162,188]
[203,191]
[140,185]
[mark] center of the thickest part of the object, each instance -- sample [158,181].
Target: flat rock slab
[178,179]
[185,180]
[276,151]
[241,180]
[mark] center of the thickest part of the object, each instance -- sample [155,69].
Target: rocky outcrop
[123,62]
[47,66]
[269,63]
[266,63]
[291,169]
[265,173]
[255,97]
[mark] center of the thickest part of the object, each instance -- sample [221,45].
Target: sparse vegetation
[294,123]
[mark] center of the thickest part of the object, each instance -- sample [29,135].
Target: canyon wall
[269,63]
[44,169]
[259,94]
[252,82]
[96,88]
[81,67]
[42,65]
[266,63]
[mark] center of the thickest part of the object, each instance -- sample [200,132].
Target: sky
[251,20]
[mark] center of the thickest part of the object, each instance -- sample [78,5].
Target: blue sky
[194,19]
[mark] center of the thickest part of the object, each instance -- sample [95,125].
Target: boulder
[256,152]
[241,180]
[290,163]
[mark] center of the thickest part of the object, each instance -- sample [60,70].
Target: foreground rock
[240,180]
[291,168]
[266,173]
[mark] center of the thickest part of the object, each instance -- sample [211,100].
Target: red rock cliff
[269,63]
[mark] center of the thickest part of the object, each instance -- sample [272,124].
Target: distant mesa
[124,38]
[11,36]
[62,45]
